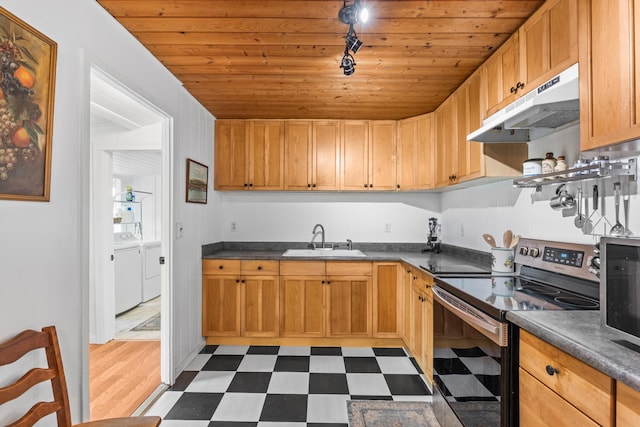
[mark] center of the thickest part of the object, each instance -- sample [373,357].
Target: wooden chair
[23,343]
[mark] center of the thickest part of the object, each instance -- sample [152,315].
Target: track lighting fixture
[348,64]
[353,43]
[353,13]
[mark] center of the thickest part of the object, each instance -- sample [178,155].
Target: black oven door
[470,365]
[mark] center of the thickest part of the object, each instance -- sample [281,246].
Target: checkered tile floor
[467,374]
[260,386]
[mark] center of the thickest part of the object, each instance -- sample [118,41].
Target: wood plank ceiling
[281,58]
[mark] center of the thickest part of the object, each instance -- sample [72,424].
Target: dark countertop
[409,253]
[580,334]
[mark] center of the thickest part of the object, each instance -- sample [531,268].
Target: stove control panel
[572,259]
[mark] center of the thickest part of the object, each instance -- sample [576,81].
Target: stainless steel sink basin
[324,253]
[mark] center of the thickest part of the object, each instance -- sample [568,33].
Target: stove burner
[538,289]
[577,302]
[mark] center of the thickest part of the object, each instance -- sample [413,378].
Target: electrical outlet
[234,226]
[387,227]
[461,230]
[179,230]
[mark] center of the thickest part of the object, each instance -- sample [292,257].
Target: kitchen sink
[324,253]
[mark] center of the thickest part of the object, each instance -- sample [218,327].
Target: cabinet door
[407,303]
[355,155]
[231,155]
[302,306]
[609,106]
[260,303]
[548,42]
[326,155]
[502,74]
[348,306]
[220,306]
[387,300]
[382,155]
[475,109]
[298,153]
[407,149]
[424,152]
[461,161]
[417,322]
[627,406]
[266,156]
[445,143]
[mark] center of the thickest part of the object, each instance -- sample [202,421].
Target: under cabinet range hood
[536,114]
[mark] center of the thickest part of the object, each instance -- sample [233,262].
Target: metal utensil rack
[611,169]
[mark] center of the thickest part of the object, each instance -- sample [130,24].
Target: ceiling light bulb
[364,15]
[353,13]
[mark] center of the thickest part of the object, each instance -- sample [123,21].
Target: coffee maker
[433,241]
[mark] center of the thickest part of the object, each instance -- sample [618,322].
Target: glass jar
[561,165]
[548,164]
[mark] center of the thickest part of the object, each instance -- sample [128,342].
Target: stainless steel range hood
[538,113]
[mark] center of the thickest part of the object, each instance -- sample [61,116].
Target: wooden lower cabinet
[627,406]
[421,306]
[240,298]
[348,306]
[387,299]
[557,389]
[302,306]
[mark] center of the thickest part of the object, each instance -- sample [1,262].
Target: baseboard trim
[336,342]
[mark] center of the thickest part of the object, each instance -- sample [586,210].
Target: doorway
[130,208]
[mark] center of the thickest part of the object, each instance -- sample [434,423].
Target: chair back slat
[21,344]
[12,350]
[28,380]
[37,411]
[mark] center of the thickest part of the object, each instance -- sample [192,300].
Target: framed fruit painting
[27,80]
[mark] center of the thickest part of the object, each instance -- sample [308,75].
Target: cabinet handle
[313,185]
[552,370]
[221,267]
[370,185]
[513,89]
[322,282]
[237,280]
[250,184]
[242,281]
[246,185]
[259,267]
[398,186]
[308,185]
[366,185]
[520,85]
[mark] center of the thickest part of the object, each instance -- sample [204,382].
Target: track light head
[353,43]
[348,64]
[354,13]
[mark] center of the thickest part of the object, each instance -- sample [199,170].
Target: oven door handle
[491,328]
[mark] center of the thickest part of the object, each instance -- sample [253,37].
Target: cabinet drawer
[346,268]
[221,266]
[302,268]
[584,387]
[259,267]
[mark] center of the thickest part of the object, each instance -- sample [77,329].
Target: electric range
[476,350]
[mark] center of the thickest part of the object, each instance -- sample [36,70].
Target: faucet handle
[349,244]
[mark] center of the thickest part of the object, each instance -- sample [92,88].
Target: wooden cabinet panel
[302,307]
[415,152]
[627,406]
[259,267]
[221,266]
[502,75]
[382,155]
[407,292]
[548,42]
[609,63]
[541,407]
[387,300]
[298,155]
[576,382]
[260,306]
[349,306]
[231,155]
[475,115]
[445,142]
[355,155]
[326,155]
[418,314]
[349,268]
[266,155]
[220,306]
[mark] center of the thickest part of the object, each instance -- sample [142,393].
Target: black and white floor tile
[268,386]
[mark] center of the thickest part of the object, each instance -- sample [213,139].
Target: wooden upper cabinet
[355,155]
[298,147]
[266,155]
[446,143]
[548,42]
[231,149]
[475,115]
[609,72]
[325,162]
[415,148]
[502,75]
[382,155]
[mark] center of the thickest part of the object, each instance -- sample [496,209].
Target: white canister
[532,167]
[502,260]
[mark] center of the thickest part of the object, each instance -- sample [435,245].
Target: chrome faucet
[315,233]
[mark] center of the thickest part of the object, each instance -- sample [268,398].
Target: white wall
[361,217]
[44,251]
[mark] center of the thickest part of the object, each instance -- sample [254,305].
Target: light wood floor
[122,374]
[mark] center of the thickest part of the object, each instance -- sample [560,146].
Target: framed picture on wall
[197,182]
[27,81]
